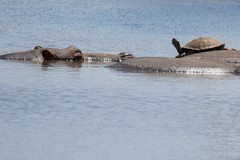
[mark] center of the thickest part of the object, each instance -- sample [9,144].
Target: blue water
[86,111]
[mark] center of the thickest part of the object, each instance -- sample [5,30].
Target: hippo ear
[47,55]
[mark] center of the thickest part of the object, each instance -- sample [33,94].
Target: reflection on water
[61,113]
[68,110]
[72,64]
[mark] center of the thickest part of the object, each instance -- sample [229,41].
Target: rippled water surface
[78,111]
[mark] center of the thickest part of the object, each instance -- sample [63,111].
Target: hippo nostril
[78,57]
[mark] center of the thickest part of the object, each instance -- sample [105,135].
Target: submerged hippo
[229,56]
[175,65]
[70,53]
[40,54]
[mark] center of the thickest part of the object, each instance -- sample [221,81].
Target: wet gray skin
[70,53]
[229,56]
[175,65]
[212,62]
[40,54]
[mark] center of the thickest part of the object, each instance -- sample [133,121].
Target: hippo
[176,65]
[39,53]
[211,62]
[229,56]
[70,53]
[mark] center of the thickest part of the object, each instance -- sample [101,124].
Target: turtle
[201,44]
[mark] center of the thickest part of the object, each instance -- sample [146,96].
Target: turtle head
[176,44]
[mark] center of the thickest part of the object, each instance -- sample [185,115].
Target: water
[86,111]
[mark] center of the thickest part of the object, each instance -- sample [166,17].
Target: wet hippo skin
[229,56]
[176,65]
[39,54]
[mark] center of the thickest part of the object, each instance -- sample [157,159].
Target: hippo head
[69,54]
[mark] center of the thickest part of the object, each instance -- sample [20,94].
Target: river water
[85,111]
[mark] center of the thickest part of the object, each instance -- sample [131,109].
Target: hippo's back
[26,55]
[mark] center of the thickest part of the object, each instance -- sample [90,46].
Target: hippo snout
[78,56]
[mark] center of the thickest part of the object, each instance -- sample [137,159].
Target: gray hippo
[70,53]
[40,54]
[229,56]
[176,65]
[188,64]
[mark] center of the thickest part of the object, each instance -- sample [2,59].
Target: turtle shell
[203,43]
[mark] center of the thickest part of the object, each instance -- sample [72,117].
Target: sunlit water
[84,111]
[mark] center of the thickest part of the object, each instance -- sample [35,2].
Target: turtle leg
[181,55]
[176,44]
[189,52]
